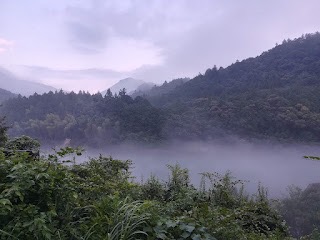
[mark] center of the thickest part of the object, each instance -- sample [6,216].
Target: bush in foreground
[55,198]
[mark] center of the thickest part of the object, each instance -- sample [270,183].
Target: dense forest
[165,88]
[5,95]
[275,95]
[84,118]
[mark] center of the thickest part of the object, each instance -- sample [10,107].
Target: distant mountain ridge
[293,64]
[155,91]
[130,84]
[5,95]
[274,95]
[10,82]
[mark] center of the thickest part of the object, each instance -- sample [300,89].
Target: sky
[91,44]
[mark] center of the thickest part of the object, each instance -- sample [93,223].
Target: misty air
[159,120]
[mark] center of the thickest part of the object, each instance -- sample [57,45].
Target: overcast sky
[90,44]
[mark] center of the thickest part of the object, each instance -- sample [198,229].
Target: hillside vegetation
[156,91]
[84,118]
[275,95]
[47,199]
[5,95]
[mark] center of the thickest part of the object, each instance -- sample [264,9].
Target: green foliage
[301,208]
[3,132]
[41,197]
[84,118]
[180,228]
[315,235]
[49,199]
[22,143]
[275,95]
[223,190]
[45,199]
[4,95]
[118,219]
[312,157]
[152,189]
[219,209]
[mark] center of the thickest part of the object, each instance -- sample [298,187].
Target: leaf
[5,204]
[171,224]
[185,235]
[5,201]
[161,236]
[196,237]
[7,234]
[17,167]
[42,175]
[312,157]
[188,228]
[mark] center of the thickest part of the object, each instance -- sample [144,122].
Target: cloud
[147,35]
[95,72]
[229,31]
[92,25]
[5,45]
[88,36]
[87,27]
[153,40]
[5,42]
[91,79]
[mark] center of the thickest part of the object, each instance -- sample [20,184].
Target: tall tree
[3,131]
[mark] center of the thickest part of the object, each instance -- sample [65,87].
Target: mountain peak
[128,79]
[10,82]
[130,84]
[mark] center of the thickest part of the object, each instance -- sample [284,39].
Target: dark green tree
[109,93]
[122,92]
[3,131]
[23,143]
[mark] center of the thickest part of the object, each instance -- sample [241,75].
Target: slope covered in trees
[84,118]
[293,64]
[273,95]
[4,95]
[156,91]
[130,84]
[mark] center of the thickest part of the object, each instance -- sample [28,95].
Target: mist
[275,166]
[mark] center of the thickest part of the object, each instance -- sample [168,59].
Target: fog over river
[276,166]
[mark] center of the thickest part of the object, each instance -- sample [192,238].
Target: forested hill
[163,89]
[4,95]
[295,64]
[275,95]
[84,118]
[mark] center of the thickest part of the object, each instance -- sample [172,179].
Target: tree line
[273,96]
[84,118]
